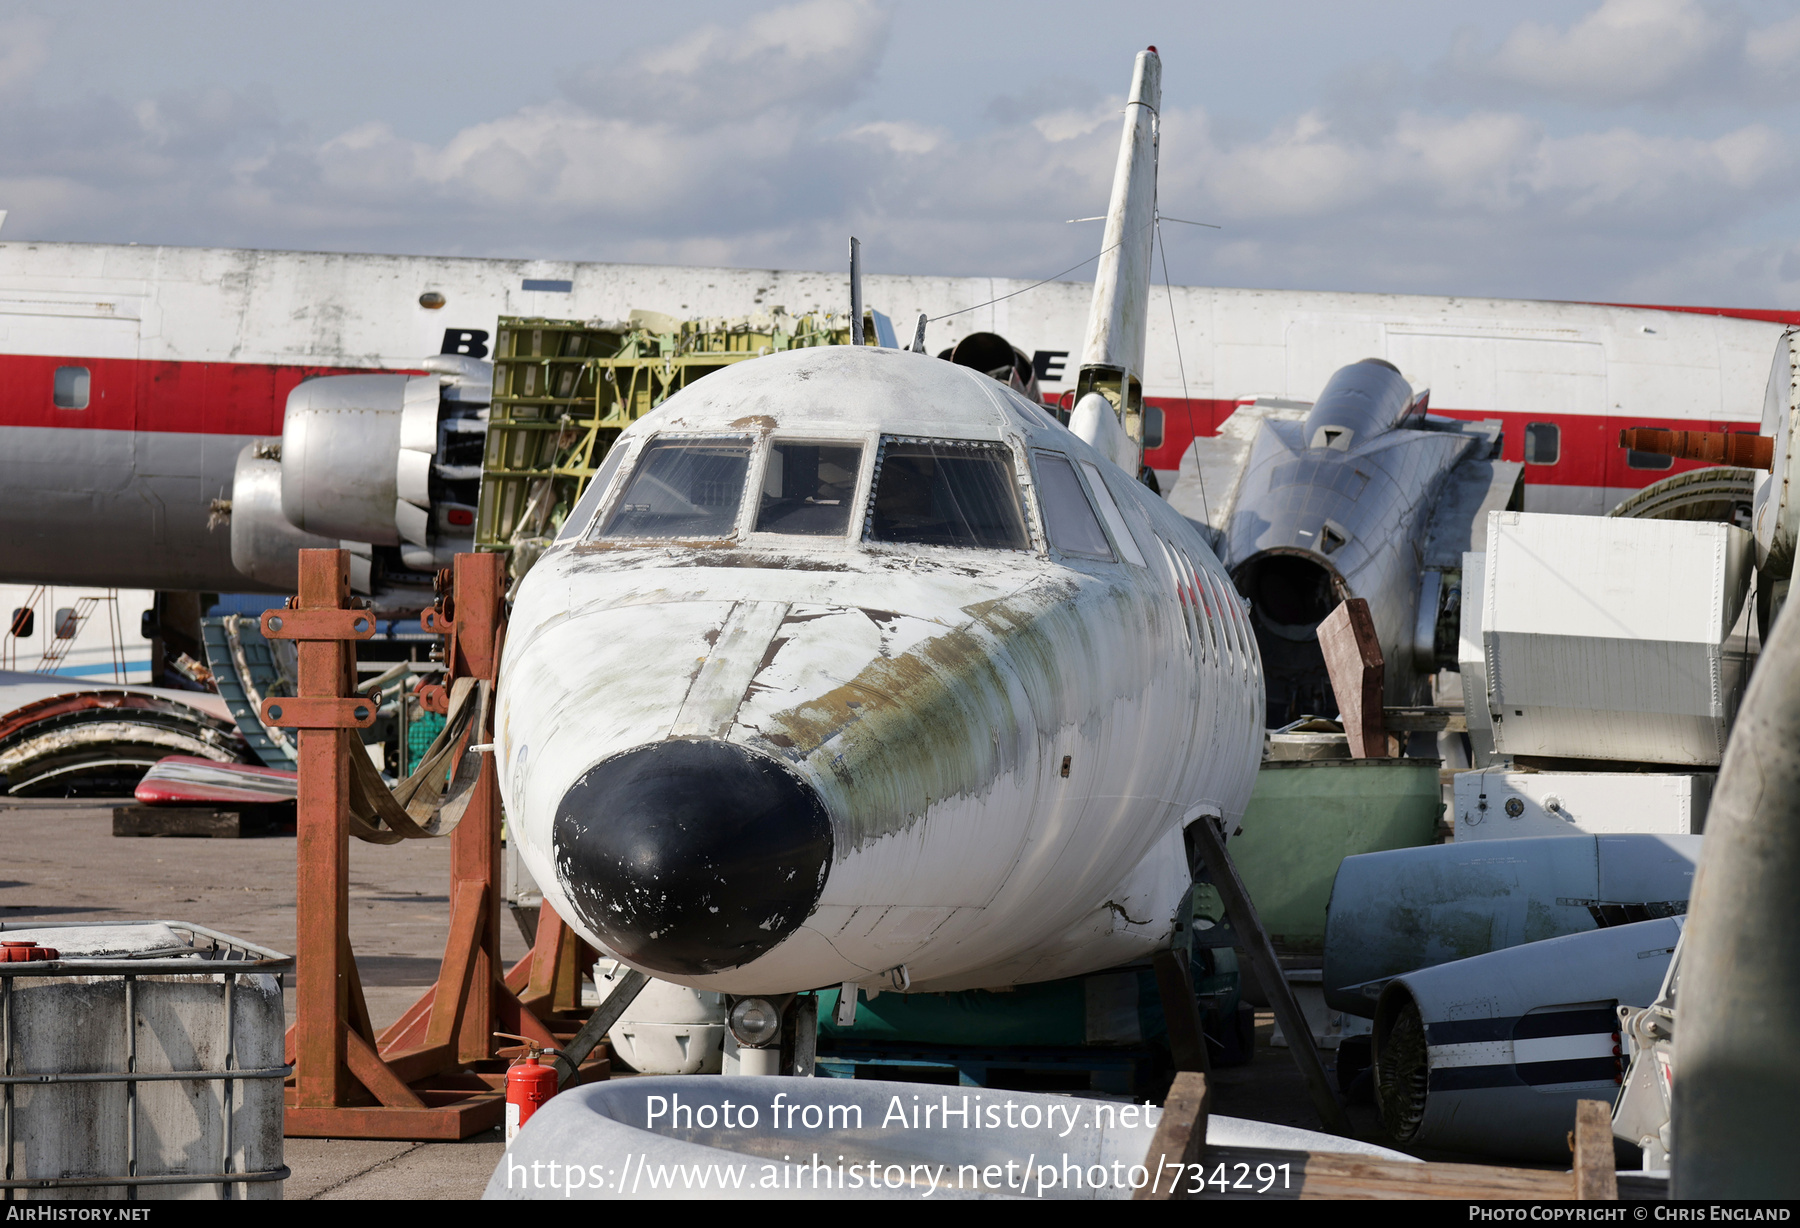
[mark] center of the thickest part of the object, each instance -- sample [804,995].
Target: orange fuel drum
[1741,450]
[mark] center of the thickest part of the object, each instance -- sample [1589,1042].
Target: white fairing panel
[1612,638]
[1006,742]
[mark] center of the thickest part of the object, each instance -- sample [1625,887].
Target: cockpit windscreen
[683,488]
[808,488]
[941,492]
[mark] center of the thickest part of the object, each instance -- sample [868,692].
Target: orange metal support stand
[435,1073]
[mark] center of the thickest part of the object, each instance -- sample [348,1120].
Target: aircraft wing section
[1213,468]
[1477,486]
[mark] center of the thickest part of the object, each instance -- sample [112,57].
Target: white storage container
[1612,638]
[147,1062]
[1498,804]
[1471,661]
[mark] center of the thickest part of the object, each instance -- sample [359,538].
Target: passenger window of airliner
[808,488]
[1069,518]
[946,492]
[683,488]
[70,390]
[1646,460]
[1543,443]
[1153,427]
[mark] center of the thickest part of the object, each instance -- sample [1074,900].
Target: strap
[422,806]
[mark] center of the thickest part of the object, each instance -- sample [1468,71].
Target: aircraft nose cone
[692,857]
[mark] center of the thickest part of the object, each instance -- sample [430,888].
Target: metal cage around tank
[209,959]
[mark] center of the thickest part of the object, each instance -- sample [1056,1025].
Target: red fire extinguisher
[529,1083]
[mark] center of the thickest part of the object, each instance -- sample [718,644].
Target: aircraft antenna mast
[856,307]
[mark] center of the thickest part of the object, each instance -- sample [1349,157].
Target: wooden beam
[1210,846]
[1344,1177]
[1255,1172]
[1179,1141]
[1181,1014]
[1596,1173]
[1425,720]
[1352,653]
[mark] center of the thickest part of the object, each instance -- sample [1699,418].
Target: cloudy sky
[1637,150]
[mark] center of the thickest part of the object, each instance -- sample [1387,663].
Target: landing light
[755,1022]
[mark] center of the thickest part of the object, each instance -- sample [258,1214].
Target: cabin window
[1153,427]
[579,517]
[70,388]
[683,488]
[808,489]
[1543,443]
[1069,519]
[946,492]
[1646,460]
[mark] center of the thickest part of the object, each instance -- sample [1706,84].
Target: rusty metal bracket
[435,622]
[318,624]
[434,698]
[290,712]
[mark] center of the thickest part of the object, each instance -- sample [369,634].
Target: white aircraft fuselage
[854,665]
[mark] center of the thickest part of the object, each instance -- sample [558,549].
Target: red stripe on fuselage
[1589,452]
[133,394]
[219,398]
[1767,315]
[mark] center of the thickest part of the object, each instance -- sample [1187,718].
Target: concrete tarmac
[62,863]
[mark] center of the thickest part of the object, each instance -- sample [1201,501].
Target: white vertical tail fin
[1112,357]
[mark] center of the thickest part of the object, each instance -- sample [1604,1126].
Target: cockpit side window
[947,492]
[1068,516]
[583,512]
[683,488]
[808,488]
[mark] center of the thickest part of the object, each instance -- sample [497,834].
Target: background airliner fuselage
[130,377]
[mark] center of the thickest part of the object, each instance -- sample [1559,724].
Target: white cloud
[902,136]
[1072,124]
[751,146]
[817,53]
[1637,51]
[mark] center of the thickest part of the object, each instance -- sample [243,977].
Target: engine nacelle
[339,446]
[1489,1055]
[265,545]
[388,465]
[1395,912]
